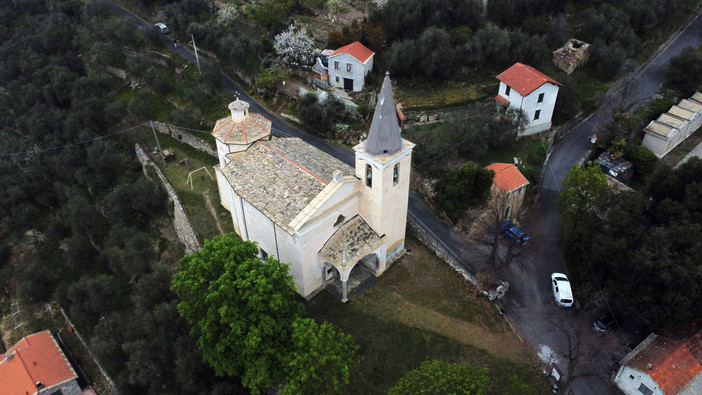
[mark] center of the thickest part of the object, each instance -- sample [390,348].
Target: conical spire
[384,135]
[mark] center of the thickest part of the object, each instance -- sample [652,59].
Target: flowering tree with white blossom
[294,46]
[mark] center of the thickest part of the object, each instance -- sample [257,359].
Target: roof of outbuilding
[359,51]
[672,364]
[35,358]
[501,100]
[524,79]
[281,177]
[507,177]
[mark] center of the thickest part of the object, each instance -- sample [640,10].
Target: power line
[72,144]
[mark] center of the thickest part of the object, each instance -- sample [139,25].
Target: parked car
[604,323]
[162,27]
[514,233]
[561,289]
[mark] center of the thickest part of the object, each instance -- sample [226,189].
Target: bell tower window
[369,176]
[396,174]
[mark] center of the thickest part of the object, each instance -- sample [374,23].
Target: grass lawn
[210,219]
[437,94]
[421,309]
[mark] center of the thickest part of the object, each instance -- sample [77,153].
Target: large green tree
[321,361]
[463,187]
[241,309]
[439,377]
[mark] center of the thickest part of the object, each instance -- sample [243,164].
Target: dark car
[513,232]
[604,323]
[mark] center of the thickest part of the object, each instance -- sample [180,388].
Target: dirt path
[208,202]
[504,345]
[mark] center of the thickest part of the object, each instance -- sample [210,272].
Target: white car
[162,28]
[561,289]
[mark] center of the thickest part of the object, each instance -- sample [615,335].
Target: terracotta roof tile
[357,50]
[507,177]
[524,79]
[672,364]
[35,358]
[501,100]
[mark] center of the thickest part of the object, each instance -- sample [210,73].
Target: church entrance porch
[360,279]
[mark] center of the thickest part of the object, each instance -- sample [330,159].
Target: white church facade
[310,210]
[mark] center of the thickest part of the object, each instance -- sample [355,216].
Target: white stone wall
[529,105]
[630,386]
[358,71]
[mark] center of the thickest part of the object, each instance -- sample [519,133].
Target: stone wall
[184,229]
[427,238]
[425,117]
[185,137]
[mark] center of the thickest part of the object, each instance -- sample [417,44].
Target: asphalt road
[557,335]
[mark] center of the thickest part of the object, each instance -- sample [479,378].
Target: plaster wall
[357,73]
[629,380]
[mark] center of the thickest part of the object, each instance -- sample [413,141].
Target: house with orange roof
[329,221]
[36,365]
[508,189]
[663,366]
[349,65]
[531,92]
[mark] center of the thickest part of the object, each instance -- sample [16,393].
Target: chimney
[648,366]
[337,175]
[40,386]
[239,109]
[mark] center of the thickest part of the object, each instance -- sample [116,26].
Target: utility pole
[160,153]
[197,58]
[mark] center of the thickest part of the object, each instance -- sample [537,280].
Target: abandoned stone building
[304,207]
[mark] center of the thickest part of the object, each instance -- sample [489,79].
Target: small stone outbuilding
[573,54]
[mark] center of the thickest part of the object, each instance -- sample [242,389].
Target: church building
[307,208]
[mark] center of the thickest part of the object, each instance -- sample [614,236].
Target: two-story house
[349,65]
[526,89]
[310,210]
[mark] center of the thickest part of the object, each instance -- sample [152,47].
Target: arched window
[396,174]
[369,176]
[339,220]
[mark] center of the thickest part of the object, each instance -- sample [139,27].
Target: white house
[663,366]
[524,88]
[306,208]
[349,65]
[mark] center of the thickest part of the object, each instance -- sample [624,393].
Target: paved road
[555,333]
[530,292]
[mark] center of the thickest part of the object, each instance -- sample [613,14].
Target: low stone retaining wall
[185,137]
[184,229]
[430,240]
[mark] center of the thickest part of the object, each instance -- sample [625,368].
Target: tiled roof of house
[507,177]
[672,364]
[357,50]
[35,358]
[501,100]
[281,177]
[351,242]
[524,79]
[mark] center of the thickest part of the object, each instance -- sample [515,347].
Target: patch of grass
[193,199]
[436,95]
[654,37]
[421,309]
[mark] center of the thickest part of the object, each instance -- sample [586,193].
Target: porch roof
[352,241]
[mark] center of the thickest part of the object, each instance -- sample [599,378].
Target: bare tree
[583,352]
[501,252]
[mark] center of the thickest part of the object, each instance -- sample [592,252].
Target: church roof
[252,127]
[351,242]
[384,135]
[281,177]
